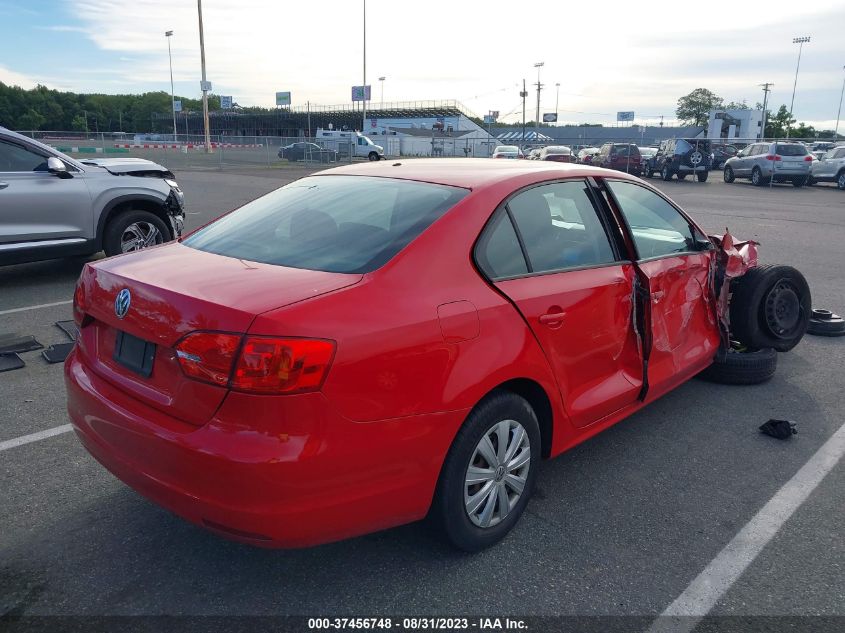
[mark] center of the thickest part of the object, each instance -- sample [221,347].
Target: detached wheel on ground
[728,174]
[770,307]
[489,473]
[825,323]
[741,366]
[133,230]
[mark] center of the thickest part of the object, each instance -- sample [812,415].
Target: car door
[549,251]
[674,261]
[36,205]
[741,165]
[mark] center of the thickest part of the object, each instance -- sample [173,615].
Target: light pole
[364,120]
[168,35]
[838,112]
[381,79]
[204,84]
[766,88]
[538,66]
[557,99]
[800,41]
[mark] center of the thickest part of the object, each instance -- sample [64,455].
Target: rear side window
[498,253]
[560,227]
[343,224]
[657,227]
[791,149]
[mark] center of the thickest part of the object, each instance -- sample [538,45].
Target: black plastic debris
[825,323]
[781,429]
[10,343]
[69,328]
[57,353]
[10,361]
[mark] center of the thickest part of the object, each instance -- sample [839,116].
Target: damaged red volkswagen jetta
[383,342]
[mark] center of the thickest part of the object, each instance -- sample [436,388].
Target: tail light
[208,356]
[78,306]
[256,364]
[282,365]
[808,158]
[773,157]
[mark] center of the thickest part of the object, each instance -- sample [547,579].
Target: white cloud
[12,78]
[608,58]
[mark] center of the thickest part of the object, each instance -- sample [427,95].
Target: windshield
[342,224]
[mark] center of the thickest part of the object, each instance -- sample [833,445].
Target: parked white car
[830,167]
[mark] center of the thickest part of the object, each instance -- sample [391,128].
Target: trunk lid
[176,290]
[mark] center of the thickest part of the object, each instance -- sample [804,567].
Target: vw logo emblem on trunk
[121,303]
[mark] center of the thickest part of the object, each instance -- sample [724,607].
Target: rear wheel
[729,174]
[840,180]
[770,307]
[489,473]
[702,176]
[798,182]
[665,173]
[757,177]
[133,230]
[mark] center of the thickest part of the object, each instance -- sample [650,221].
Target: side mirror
[57,167]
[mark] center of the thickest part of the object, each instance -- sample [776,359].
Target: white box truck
[347,141]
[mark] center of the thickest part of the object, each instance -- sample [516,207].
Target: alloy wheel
[139,235]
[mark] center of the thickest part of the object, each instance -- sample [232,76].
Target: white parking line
[710,585]
[35,307]
[34,437]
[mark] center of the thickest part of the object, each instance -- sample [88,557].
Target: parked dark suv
[620,156]
[682,157]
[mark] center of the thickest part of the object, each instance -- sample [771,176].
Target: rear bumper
[283,471]
[689,169]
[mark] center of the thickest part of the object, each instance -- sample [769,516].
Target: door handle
[3,185]
[552,317]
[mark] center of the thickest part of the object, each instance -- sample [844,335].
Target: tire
[729,174]
[742,367]
[825,323]
[665,174]
[702,176]
[757,177]
[681,176]
[770,307]
[449,511]
[840,180]
[134,226]
[798,182]
[372,156]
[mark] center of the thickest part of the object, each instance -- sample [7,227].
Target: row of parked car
[761,163]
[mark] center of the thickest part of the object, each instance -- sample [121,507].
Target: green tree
[78,123]
[31,120]
[733,105]
[693,109]
[777,124]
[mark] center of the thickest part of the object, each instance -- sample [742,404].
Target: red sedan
[381,342]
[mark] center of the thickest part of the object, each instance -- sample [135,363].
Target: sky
[607,56]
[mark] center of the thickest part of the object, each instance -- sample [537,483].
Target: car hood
[135,166]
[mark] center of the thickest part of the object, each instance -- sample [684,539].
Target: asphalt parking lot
[620,526]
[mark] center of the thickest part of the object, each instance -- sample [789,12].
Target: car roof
[471,173]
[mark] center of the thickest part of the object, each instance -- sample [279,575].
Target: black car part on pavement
[57,353]
[825,323]
[10,343]
[10,361]
[781,429]
[740,366]
[69,328]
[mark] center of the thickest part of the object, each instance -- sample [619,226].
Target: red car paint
[419,342]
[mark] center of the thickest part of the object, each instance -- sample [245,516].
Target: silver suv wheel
[139,235]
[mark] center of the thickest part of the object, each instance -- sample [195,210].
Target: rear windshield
[558,149]
[791,149]
[507,148]
[342,224]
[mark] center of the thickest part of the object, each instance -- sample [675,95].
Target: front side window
[16,158]
[560,227]
[343,224]
[657,227]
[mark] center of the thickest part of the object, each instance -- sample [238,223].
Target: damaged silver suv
[52,205]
